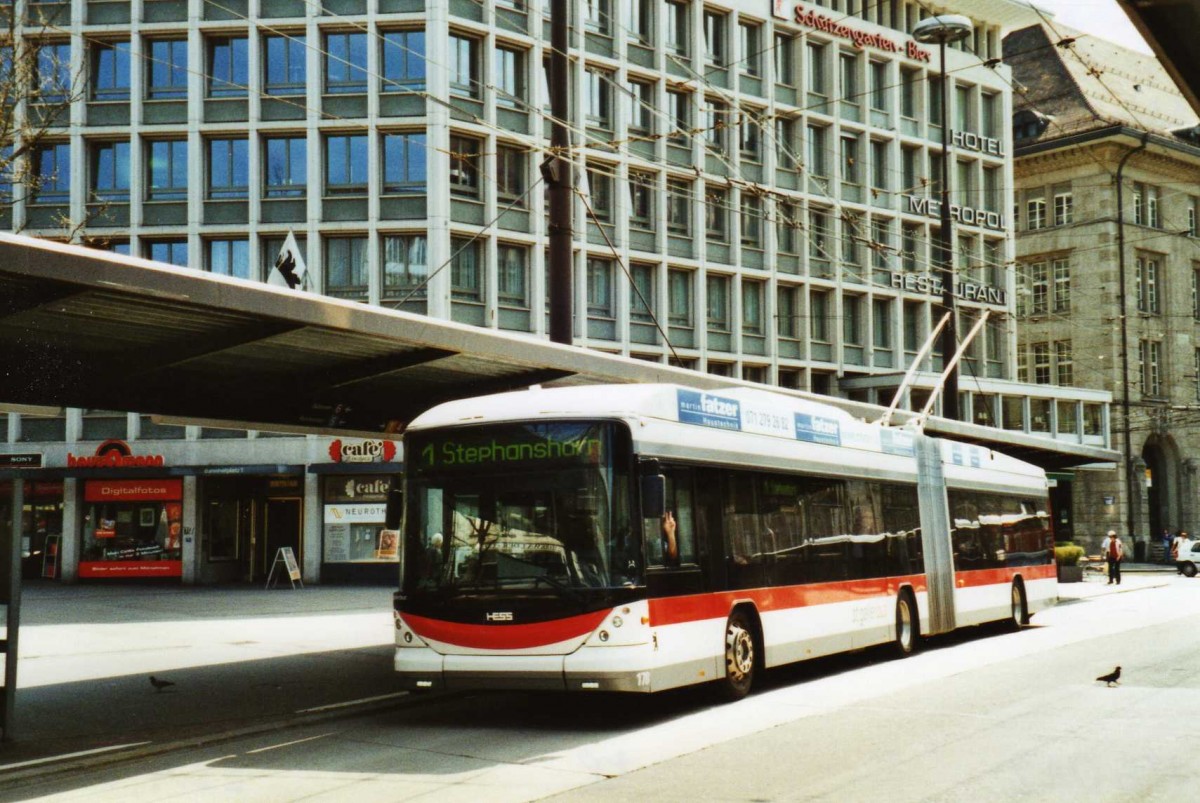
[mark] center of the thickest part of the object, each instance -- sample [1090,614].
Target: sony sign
[933,286]
[966,215]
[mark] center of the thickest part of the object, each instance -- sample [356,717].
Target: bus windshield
[520,507]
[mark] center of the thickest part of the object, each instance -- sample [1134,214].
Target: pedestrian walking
[1180,537]
[1113,550]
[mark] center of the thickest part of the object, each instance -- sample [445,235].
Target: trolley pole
[557,171]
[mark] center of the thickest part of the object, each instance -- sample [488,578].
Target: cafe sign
[362,452]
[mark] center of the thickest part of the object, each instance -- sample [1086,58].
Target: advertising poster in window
[354,515]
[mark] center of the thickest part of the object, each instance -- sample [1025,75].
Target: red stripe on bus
[973,578]
[697,607]
[505,637]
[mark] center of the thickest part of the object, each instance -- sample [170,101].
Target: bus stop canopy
[91,329]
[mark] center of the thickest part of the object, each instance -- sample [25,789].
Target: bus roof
[730,410]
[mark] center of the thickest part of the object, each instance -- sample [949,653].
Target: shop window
[140,536]
[354,532]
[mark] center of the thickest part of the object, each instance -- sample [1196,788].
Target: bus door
[667,576]
[935,534]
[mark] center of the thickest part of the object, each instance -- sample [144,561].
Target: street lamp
[943,30]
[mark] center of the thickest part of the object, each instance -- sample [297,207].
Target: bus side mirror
[654,495]
[395,509]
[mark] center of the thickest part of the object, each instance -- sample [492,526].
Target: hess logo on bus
[500,616]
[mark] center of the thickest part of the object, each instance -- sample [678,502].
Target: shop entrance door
[282,527]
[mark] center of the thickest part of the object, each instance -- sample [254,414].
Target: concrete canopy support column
[71,543]
[313,525]
[191,531]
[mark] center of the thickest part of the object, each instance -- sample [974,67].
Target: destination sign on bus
[541,446]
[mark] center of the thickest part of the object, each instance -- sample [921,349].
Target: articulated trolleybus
[644,537]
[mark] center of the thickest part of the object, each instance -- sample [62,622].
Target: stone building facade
[1107,188]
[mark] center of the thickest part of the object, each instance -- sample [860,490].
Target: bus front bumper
[586,669]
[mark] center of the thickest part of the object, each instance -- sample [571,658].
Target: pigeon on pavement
[159,684]
[1111,677]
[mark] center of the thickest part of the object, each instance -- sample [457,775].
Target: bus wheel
[907,625]
[739,657]
[1189,569]
[1018,617]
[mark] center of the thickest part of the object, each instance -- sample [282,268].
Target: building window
[1039,283]
[171,252]
[600,188]
[752,307]
[909,79]
[345,63]
[990,109]
[714,38]
[749,137]
[848,62]
[818,234]
[346,266]
[1063,363]
[642,293]
[1150,368]
[639,15]
[879,167]
[404,160]
[110,71]
[598,99]
[1041,363]
[936,113]
[1064,209]
[676,21]
[641,106]
[785,68]
[600,288]
[910,247]
[110,171]
[403,61]
[962,108]
[346,164]
[717,293]
[464,166]
[229,67]
[852,328]
[511,177]
[284,62]
[464,66]
[881,243]
[817,161]
[168,69]
[1196,291]
[881,323]
[466,270]
[228,168]
[679,206]
[229,258]
[914,316]
[1152,218]
[167,170]
[785,143]
[1035,214]
[1196,369]
[715,121]
[787,310]
[818,81]
[642,210]
[508,76]
[405,265]
[512,275]
[1147,285]
[716,217]
[750,35]
[598,17]
[879,86]
[752,216]
[818,316]
[786,223]
[1191,212]
[679,298]
[286,167]
[991,189]
[1062,285]
[679,106]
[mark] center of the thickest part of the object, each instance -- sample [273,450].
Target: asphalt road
[978,716]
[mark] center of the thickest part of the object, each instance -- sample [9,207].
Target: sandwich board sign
[285,563]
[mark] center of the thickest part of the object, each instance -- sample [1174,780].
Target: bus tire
[1189,569]
[1019,607]
[740,657]
[908,625]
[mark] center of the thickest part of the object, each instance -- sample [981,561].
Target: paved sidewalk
[240,657]
[242,660]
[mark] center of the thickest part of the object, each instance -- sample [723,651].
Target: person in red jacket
[1113,550]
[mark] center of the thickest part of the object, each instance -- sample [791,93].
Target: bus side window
[679,502]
